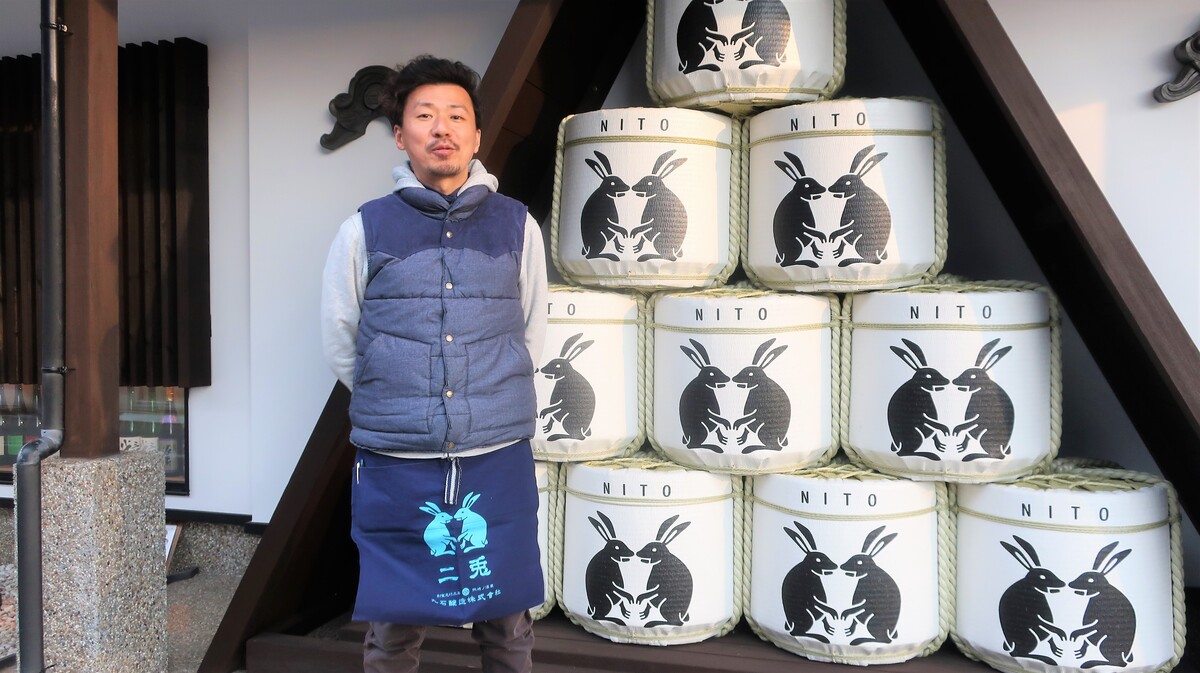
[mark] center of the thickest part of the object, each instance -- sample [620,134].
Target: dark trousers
[506,644]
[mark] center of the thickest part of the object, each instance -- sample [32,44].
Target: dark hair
[427,69]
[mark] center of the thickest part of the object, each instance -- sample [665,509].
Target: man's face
[439,134]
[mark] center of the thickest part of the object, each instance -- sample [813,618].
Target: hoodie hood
[476,175]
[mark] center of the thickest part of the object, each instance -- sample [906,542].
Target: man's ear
[478,137]
[399,140]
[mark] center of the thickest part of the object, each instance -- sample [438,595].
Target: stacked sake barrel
[842,337]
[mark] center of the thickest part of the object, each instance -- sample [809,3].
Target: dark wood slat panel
[29,244]
[1121,313]
[130,290]
[9,128]
[20,242]
[147,74]
[193,319]
[164,337]
[164,56]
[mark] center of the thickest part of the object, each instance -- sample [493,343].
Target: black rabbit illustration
[692,36]
[603,579]
[1025,615]
[572,402]
[772,30]
[699,411]
[664,219]
[866,221]
[795,226]
[988,418]
[767,411]
[804,588]
[912,414]
[876,605]
[1109,620]
[669,584]
[599,223]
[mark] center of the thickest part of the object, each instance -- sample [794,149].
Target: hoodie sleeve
[533,289]
[343,284]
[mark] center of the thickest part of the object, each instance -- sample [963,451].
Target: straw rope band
[593,321]
[847,282]
[794,135]
[844,517]
[556,203]
[696,98]
[646,502]
[555,520]
[1065,528]
[648,139]
[742,330]
[576,457]
[864,658]
[967,327]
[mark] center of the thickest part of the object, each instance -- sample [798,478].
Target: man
[433,301]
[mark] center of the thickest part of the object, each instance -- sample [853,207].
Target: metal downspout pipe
[28,473]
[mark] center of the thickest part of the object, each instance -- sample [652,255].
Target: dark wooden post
[90,211]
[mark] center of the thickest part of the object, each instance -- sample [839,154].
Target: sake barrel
[642,198]
[549,504]
[844,564]
[1071,571]
[737,56]
[846,195]
[743,379]
[954,380]
[588,379]
[650,550]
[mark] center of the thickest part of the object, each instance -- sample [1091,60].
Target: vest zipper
[357,471]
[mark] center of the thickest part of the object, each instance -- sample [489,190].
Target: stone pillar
[104,576]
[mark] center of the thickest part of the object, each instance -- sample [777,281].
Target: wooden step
[564,646]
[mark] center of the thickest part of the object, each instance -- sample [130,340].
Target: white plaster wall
[1097,63]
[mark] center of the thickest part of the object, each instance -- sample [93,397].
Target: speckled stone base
[103,568]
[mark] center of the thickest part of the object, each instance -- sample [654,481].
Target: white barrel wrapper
[643,198]
[952,385]
[648,552]
[740,55]
[842,196]
[1066,579]
[588,377]
[743,380]
[846,569]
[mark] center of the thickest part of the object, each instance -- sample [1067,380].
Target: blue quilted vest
[442,365]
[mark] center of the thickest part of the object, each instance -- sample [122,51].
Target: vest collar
[455,207]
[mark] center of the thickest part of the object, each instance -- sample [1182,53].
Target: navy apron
[425,561]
